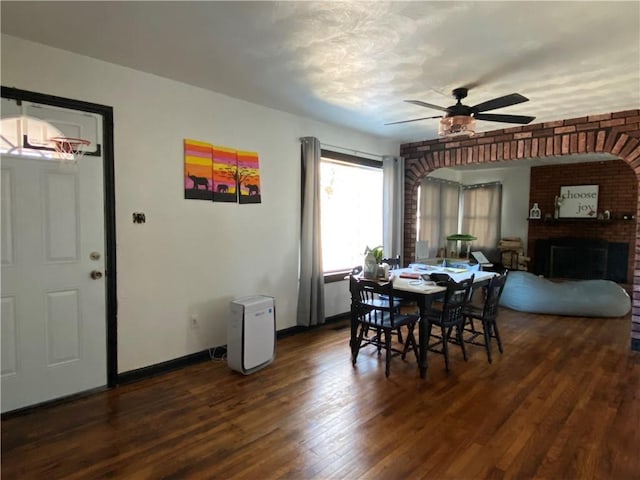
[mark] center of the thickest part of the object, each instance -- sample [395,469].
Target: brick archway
[615,133]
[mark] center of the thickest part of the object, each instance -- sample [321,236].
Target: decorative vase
[535,211]
[557,202]
[370,267]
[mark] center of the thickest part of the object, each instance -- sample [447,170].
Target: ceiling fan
[460,119]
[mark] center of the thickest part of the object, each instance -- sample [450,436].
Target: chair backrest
[358,293]
[371,301]
[493,294]
[455,299]
[393,262]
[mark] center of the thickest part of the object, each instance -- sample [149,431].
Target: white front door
[53,311]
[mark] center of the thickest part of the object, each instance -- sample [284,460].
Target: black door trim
[109,209]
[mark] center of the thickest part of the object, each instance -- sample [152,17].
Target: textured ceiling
[353,63]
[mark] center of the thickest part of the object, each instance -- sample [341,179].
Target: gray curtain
[481,216]
[438,212]
[311,288]
[393,206]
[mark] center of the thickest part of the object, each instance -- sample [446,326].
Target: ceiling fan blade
[425,104]
[497,117]
[414,120]
[507,100]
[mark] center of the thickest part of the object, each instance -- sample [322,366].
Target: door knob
[96,275]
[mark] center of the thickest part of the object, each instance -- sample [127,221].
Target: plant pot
[370,266]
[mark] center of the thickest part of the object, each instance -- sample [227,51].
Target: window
[351,209]
[28,130]
[446,207]
[14,128]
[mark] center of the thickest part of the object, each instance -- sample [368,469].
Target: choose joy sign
[579,201]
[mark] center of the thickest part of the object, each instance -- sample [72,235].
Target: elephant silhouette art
[197,181]
[222,188]
[253,189]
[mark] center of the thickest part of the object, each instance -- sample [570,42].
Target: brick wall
[617,192]
[617,133]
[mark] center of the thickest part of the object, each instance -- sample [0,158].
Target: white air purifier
[251,334]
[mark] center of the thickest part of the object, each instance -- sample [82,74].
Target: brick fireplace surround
[618,193]
[616,133]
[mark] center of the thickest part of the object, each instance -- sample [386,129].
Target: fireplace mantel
[580,220]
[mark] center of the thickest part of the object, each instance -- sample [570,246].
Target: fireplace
[579,262]
[581,259]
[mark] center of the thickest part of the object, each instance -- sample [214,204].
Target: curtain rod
[483,184]
[351,151]
[464,186]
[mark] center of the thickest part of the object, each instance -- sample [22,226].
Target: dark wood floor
[562,402]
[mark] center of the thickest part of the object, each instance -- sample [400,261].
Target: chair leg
[461,342]
[411,339]
[387,343]
[399,335]
[497,335]
[487,340]
[354,352]
[445,348]
[410,342]
[472,325]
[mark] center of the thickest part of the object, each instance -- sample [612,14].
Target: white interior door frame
[105,113]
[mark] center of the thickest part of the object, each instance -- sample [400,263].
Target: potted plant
[372,259]
[465,239]
[378,252]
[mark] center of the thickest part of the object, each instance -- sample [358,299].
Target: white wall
[191,256]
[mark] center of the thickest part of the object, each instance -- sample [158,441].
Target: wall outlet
[194,320]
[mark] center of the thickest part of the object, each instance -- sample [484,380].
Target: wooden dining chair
[357,270]
[449,316]
[487,315]
[380,315]
[403,305]
[393,262]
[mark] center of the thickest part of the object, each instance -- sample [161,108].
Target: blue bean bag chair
[526,292]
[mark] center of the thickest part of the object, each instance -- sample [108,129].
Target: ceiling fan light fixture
[457,125]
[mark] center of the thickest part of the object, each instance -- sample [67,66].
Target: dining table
[413,283]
